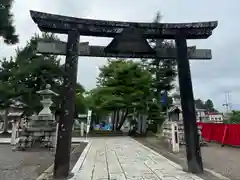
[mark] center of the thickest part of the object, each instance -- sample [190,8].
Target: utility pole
[227,103]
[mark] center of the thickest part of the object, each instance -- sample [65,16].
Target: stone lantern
[175,111]
[42,126]
[45,118]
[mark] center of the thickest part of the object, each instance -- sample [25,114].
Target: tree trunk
[157,63]
[97,119]
[113,120]
[122,115]
[140,121]
[123,118]
[158,90]
[117,119]
[5,123]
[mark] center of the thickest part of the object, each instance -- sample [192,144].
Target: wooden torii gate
[129,40]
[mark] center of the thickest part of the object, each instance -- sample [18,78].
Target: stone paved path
[122,158]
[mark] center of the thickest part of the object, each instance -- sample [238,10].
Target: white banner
[89,115]
[89,119]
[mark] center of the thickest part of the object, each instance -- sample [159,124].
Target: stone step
[106,133]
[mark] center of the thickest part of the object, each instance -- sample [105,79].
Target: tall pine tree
[7,29]
[163,70]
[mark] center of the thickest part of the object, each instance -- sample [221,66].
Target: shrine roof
[102,28]
[213,113]
[47,92]
[174,108]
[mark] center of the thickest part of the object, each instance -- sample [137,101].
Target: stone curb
[74,140]
[46,173]
[5,141]
[49,170]
[82,157]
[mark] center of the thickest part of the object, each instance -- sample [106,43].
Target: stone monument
[175,115]
[42,126]
[15,116]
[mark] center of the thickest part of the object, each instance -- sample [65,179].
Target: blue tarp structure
[106,127]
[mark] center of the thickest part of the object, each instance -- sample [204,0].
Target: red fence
[228,134]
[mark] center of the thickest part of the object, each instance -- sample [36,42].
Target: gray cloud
[210,78]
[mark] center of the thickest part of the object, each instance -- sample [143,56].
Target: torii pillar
[194,159]
[64,140]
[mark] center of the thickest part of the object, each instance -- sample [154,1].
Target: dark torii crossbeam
[59,48]
[120,32]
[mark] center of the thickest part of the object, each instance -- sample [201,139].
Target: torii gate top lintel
[101,28]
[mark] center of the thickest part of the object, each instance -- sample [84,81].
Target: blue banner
[164,98]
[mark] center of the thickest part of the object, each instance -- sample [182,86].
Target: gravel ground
[224,160]
[28,165]
[6,135]
[24,165]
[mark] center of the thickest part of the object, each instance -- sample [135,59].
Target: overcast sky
[210,78]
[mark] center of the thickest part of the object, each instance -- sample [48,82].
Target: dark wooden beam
[89,27]
[59,48]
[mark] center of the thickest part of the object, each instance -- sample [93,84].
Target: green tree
[199,104]
[163,73]
[80,103]
[123,85]
[6,93]
[234,118]
[7,29]
[93,101]
[163,70]
[209,106]
[155,116]
[28,72]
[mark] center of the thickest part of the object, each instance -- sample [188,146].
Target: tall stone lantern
[46,114]
[42,126]
[45,118]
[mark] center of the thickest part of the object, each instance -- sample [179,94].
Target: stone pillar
[194,159]
[55,137]
[14,132]
[175,137]
[110,119]
[144,124]
[82,129]
[1,125]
